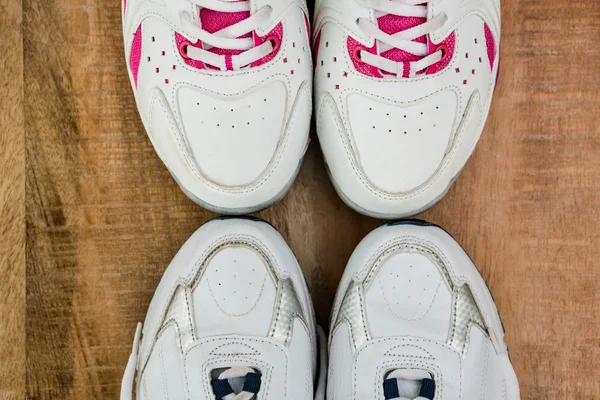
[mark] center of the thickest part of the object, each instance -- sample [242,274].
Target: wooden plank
[12,204]
[104,217]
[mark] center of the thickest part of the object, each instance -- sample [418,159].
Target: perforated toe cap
[233,138]
[401,146]
[236,294]
[409,297]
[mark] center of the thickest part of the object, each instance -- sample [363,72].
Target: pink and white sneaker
[231,319]
[224,89]
[402,92]
[413,319]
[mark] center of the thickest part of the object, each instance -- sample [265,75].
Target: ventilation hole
[321,63]
[148,59]
[174,67]
[467,55]
[153,39]
[157,70]
[373,126]
[292,72]
[370,109]
[233,126]
[329,75]
[163,53]
[337,86]
[294,44]
[284,60]
[232,110]
[387,114]
[473,71]
[405,133]
[405,116]
[437,108]
[326,44]
[247,123]
[218,125]
[390,131]
[264,99]
[419,131]
[167,81]
[421,112]
[475,40]
[345,74]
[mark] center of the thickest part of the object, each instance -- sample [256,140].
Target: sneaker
[224,89]
[230,319]
[413,319]
[402,92]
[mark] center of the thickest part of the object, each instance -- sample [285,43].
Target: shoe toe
[401,146]
[233,138]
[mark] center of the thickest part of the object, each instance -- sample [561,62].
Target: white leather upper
[231,161]
[394,145]
[223,302]
[421,305]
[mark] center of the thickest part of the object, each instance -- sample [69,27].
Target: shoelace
[230,38]
[403,40]
[223,390]
[130,369]
[391,384]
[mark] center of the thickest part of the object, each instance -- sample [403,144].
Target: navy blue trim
[390,389]
[221,388]
[427,389]
[252,383]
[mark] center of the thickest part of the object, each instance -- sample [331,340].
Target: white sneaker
[224,89]
[402,92]
[230,319]
[413,319]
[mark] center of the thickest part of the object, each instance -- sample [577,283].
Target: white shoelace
[229,38]
[129,375]
[402,40]
[409,375]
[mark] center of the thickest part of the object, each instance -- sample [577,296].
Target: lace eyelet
[183,49]
[274,42]
[356,53]
[445,52]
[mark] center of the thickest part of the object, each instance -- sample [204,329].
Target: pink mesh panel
[392,24]
[136,54]
[491,45]
[213,21]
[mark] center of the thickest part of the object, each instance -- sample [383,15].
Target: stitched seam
[162,372]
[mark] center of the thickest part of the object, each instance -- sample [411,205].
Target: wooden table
[90,217]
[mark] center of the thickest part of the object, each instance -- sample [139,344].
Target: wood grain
[104,217]
[12,204]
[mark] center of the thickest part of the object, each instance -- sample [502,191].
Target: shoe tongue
[392,24]
[409,384]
